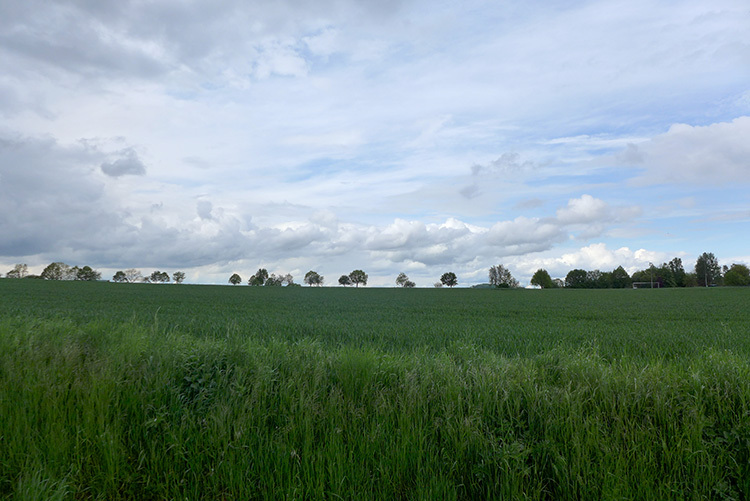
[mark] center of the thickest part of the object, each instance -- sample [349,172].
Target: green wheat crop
[120,391]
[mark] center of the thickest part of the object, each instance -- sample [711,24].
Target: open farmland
[136,391]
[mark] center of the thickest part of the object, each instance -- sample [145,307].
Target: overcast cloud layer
[390,136]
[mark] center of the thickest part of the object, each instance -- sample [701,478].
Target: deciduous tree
[449,279]
[56,271]
[707,269]
[132,275]
[678,272]
[235,279]
[274,281]
[88,274]
[259,278]
[542,279]
[620,278]
[576,279]
[178,277]
[18,271]
[313,279]
[159,277]
[737,275]
[344,280]
[500,277]
[358,277]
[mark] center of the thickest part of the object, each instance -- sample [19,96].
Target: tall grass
[114,404]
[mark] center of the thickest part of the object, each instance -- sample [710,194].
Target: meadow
[138,391]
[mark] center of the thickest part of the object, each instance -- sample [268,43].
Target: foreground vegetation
[110,391]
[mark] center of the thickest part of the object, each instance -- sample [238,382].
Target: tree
[274,281]
[178,277]
[344,280]
[678,272]
[119,277]
[542,279]
[72,273]
[313,279]
[620,278]
[438,285]
[596,279]
[737,275]
[235,279]
[159,277]
[132,275]
[18,271]
[500,277]
[403,281]
[87,274]
[707,269]
[449,279]
[576,279]
[358,277]
[56,271]
[288,279]
[259,278]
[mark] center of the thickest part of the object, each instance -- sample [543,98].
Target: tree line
[312,278]
[61,271]
[706,273]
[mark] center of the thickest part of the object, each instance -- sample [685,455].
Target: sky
[389,136]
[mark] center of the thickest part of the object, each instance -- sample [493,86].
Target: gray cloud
[127,164]
[204,208]
[715,154]
[507,164]
[54,206]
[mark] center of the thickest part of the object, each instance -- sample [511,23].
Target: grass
[118,391]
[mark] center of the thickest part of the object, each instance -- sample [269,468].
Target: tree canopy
[500,277]
[259,278]
[18,271]
[542,279]
[88,274]
[313,279]
[159,277]
[358,277]
[449,279]
[707,269]
[235,279]
[737,275]
[403,281]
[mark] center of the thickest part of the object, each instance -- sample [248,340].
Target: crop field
[137,391]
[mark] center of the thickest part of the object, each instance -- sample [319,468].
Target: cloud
[127,164]
[715,154]
[596,256]
[203,209]
[586,209]
[590,217]
[266,122]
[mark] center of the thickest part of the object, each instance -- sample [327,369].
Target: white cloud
[597,256]
[715,154]
[586,209]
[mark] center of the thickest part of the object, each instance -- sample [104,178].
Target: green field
[136,391]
